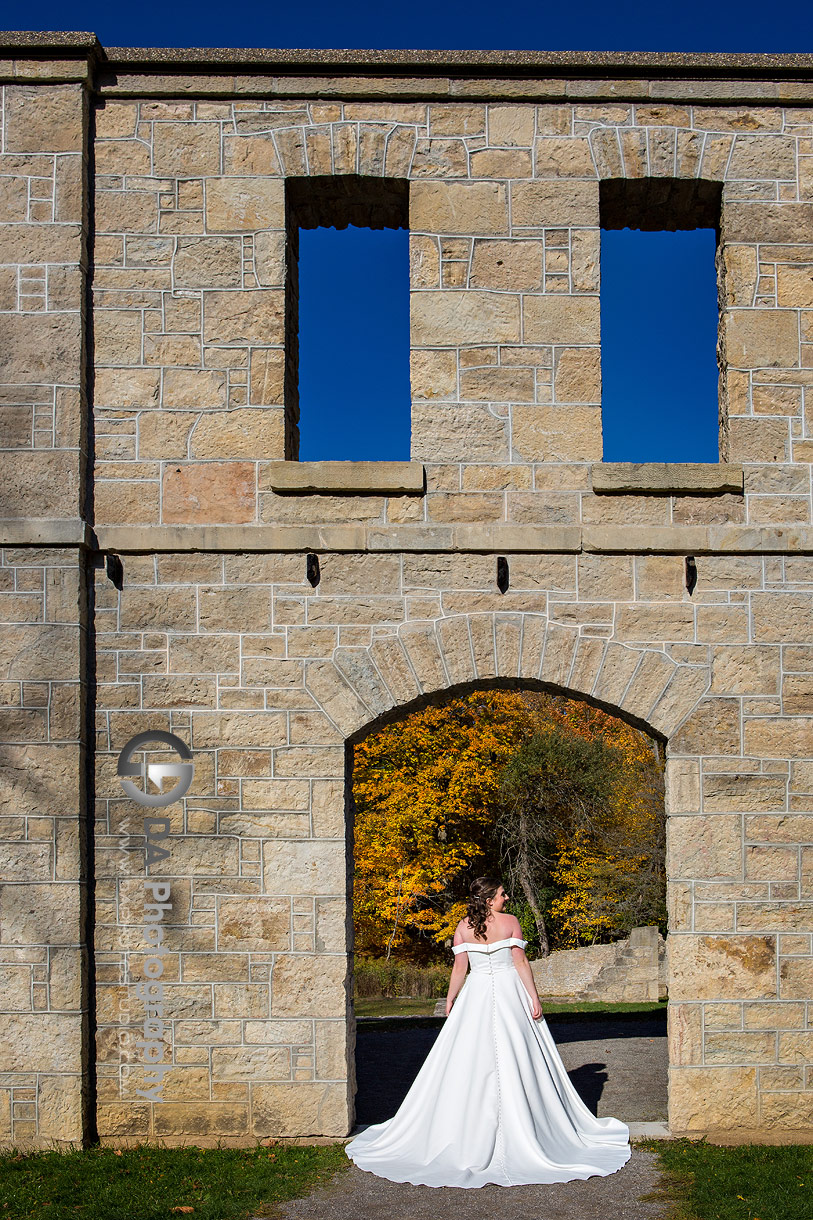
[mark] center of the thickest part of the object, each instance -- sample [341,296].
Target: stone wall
[631,969]
[184,470]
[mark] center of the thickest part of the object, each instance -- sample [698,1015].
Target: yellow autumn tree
[423,789]
[562,799]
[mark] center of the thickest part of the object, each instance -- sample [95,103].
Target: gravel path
[357,1195]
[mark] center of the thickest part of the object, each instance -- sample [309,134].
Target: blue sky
[659,398]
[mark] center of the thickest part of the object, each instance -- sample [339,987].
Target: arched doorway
[421,796]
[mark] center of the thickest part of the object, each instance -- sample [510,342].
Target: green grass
[156,1183]
[748,1182]
[407,1006]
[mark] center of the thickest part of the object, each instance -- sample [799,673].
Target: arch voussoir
[337,697]
[455,644]
[391,661]
[507,639]
[422,647]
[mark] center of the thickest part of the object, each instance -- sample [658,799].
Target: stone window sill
[346,478]
[666,478]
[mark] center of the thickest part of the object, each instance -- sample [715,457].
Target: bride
[492,1101]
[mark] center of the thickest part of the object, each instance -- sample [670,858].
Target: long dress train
[492,1101]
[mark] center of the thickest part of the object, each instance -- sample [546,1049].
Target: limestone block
[557,433]
[745,670]
[40,347]
[239,1063]
[253,924]
[586,663]
[458,432]
[186,150]
[734,793]
[704,847]
[791,1112]
[208,262]
[713,728]
[514,265]
[247,316]
[794,287]
[617,669]
[740,1047]
[244,432]
[507,634]
[561,319]
[796,978]
[648,683]
[454,317]
[43,118]
[554,203]
[309,985]
[313,866]
[266,379]
[655,621]
[301,1109]
[421,646]
[388,655]
[269,258]
[41,1042]
[773,916]
[560,645]
[205,1118]
[209,492]
[685,1034]
[34,778]
[578,375]
[237,204]
[360,672]
[59,1109]
[761,338]
[782,617]
[335,695]
[726,967]
[762,156]
[38,651]
[433,375]
[458,207]
[712,1098]
[497,385]
[778,736]
[455,644]
[481,630]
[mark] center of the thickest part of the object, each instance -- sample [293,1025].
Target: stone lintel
[334,478]
[666,478]
[40,531]
[647,539]
[486,539]
[515,538]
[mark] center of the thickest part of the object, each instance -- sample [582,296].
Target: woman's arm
[523,968]
[458,976]
[524,971]
[457,979]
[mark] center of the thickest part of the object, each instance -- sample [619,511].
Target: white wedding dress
[492,1101]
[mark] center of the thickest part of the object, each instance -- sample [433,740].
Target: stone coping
[339,477]
[666,478]
[678,63]
[360,538]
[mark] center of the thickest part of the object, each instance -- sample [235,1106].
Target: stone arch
[365,684]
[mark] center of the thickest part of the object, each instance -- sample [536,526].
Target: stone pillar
[46,1087]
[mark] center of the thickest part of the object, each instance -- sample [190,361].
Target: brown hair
[482,888]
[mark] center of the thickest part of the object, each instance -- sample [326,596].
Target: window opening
[659,320]
[347,369]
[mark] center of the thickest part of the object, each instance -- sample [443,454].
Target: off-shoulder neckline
[507,940]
